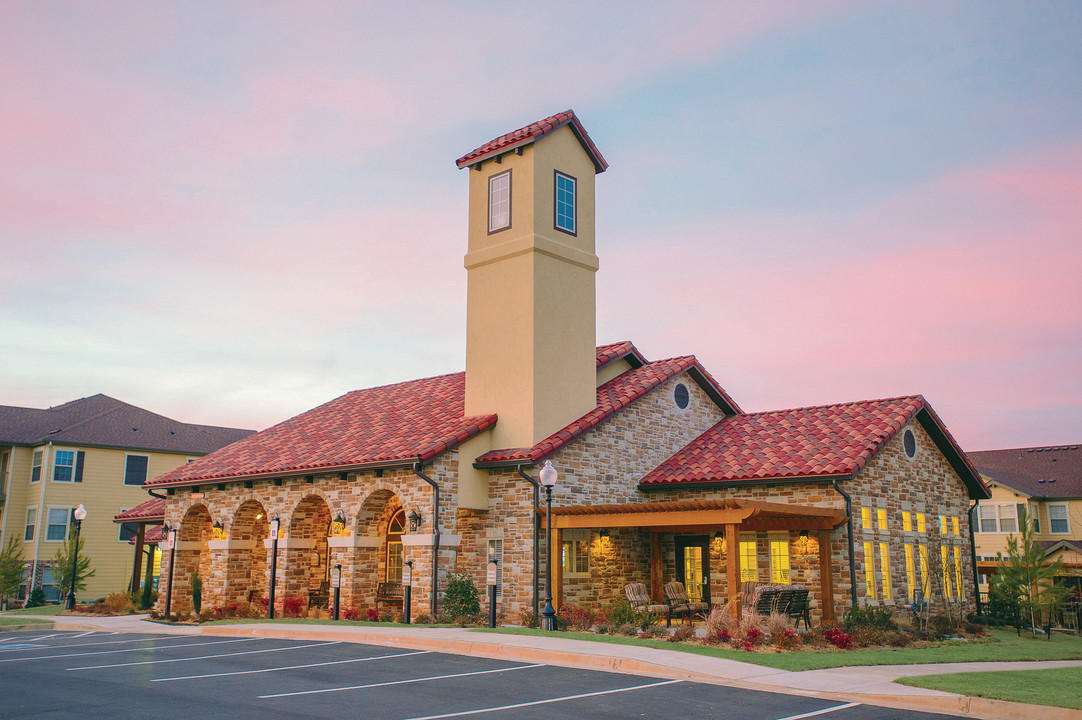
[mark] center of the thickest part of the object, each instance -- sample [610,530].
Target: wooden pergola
[732,516]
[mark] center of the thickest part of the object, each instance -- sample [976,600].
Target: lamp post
[336,580]
[80,515]
[407,589]
[548,479]
[274,524]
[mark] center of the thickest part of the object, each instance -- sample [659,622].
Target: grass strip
[1059,687]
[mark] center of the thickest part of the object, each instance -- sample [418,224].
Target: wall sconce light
[340,519]
[415,521]
[217,532]
[603,532]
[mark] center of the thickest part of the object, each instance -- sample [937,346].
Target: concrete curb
[47,625]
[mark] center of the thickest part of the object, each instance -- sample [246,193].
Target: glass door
[693,567]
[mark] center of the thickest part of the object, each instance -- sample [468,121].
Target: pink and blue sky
[229,213]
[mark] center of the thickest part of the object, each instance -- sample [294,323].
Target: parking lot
[98,675]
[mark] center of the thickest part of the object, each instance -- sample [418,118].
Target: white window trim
[488,205]
[999,517]
[573,536]
[781,538]
[1066,517]
[38,453]
[74,465]
[37,523]
[67,524]
[124,477]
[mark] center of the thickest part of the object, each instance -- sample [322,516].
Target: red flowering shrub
[292,605]
[753,635]
[350,614]
[372,615]
[841,639]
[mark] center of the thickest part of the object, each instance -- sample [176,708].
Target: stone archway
[192,555]
[306,562]
[379,551]
[246,568]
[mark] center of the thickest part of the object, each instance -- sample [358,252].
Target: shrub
[581,617]
[423,619]
[682,633]
[118,603]
[372,615]
[941,625]
[747,622]
[148,597]
[654,631]
[721,637]
[621,613]
[869,617]
[840,639]
[461,597]
[719,620]
[628,629]
[605,628]
[348,613]
[973,628]
[197,592]
[292,605]
[36,599]
[786,639]
[528,619]
[776,623]
[753,635]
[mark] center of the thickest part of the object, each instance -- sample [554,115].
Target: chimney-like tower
[530,307]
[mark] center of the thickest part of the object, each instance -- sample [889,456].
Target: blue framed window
[499,202]
[565,203]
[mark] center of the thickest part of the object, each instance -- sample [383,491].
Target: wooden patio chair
[639,598]
[677,596]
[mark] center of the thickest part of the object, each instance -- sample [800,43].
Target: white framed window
[64,465]
[884,570]
[499,202]
[31,523]
[779,558]
[576,553]
[495,552]
[35,469]
[57,520]
[999,517]
[48,584]
[135,469]
[1035,516]
[869,571]
[1058,521]
[565,202]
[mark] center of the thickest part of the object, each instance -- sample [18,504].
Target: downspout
[973,554]
[536,538]
[849,526]
[436,532]
[154,494]
[46,452]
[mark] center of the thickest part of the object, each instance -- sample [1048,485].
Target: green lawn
[1061,687]
[1003,645]
[43,610]
[6,621]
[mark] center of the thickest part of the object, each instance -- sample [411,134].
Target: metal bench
[389,593]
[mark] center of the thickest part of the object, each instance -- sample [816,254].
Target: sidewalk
[872,685]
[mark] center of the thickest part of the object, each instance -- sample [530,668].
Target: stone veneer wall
[362,498]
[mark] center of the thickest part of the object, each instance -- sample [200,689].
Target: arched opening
[192,555]
[307,566]
[247,574]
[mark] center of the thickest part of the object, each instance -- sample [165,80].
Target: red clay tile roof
[825,441]
[614,351]
[104,421]
[1041,472]
[154,534]
[532,133]
[388,425]
[152,509]
[612,397]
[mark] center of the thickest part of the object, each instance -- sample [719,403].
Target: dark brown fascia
[299,474]
[968,474]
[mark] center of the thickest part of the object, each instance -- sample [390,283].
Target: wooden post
[657,568]
[555,556]
[137,570]
[826,576]
[732,568]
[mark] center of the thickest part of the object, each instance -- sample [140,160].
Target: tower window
[499,202]
[565,202]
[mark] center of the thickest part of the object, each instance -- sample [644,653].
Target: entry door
[693,566]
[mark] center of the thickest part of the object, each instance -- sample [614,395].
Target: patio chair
[639,597]
[766,599]
[677,596]
[797,606]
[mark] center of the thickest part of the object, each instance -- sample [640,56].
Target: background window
[35,471]
[64,466]
[57,524]
[128,531]
[135,470]
[881,518]
[499,202]
[866,518]
[884,569]
[565,203]
[779,560]
[31,523]
[749,561]
[907,521]
[1057,519]
[869,570]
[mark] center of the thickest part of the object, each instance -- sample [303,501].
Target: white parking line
[91,632]
[545,702]
[289,667]
[149,638]
[398,682]
[206,657]
[824,711]
[128,650]
[42,637]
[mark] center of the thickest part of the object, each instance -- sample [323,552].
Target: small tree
[62,567]
[461,598]
[197,592]
[11,569]
[1025,568]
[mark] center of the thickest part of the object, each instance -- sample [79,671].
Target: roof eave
[711,484]
[295,472]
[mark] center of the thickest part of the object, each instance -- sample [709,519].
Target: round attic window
[909,442]
[681,395]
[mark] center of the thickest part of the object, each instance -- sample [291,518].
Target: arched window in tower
[393,565]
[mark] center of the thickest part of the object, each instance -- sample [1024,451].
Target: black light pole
[407,589]
[548,479]
[274,566]
[337,579]
[172,564]
[80,515]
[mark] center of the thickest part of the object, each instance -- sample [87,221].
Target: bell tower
[531,262]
